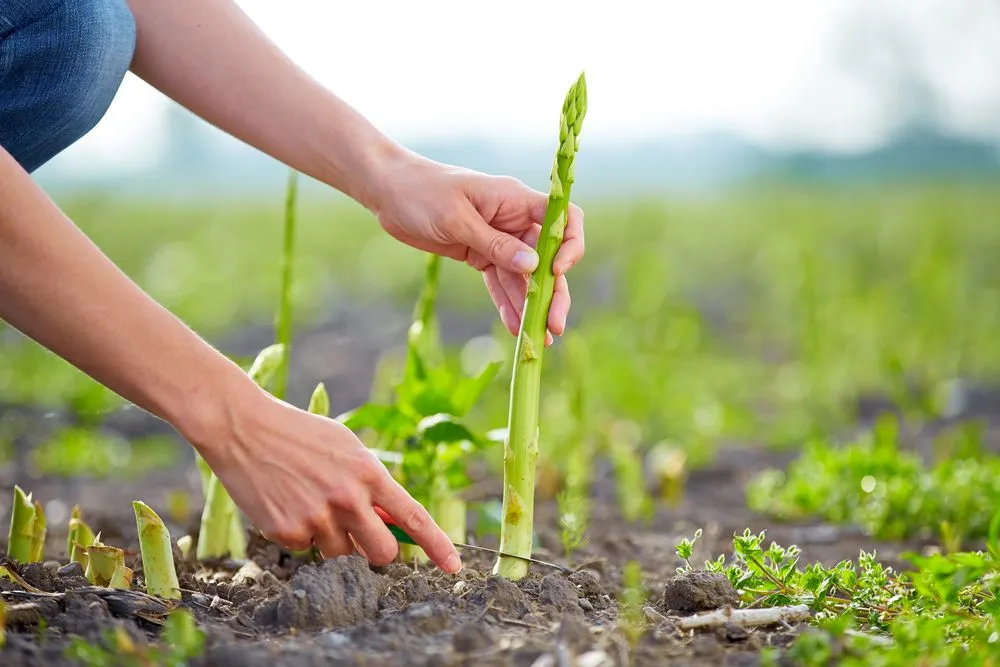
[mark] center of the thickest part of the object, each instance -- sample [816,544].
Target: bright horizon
[777,72]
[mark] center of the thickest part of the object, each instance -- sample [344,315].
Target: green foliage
[73,451]
[634,595]
[944,610]
[891,493]
[424,422]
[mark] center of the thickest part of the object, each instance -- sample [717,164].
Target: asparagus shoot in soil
[521,446]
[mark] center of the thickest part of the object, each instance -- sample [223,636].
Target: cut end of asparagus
[103,562]
[156,553]
[38,534]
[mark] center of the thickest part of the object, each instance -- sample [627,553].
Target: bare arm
[300,477]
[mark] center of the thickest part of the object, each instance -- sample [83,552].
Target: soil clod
[339,592]
[471,637]
[699,591]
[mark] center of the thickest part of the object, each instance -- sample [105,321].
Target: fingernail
[525,260]
[453,564]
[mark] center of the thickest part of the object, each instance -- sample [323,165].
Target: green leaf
[443,427]
[380,418]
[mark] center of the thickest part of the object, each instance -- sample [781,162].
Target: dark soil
[344,612]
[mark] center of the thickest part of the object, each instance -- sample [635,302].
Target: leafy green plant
[422,433]
[891,493]
[944,610]
[521,446]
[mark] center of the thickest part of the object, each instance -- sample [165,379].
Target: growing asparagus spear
[21,535]
[156,553]
[38,534]
[319,402]
[521,446]
[80,537]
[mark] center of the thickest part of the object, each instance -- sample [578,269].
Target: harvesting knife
[403,538]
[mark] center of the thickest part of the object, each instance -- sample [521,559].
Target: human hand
[304,479]
[490,222]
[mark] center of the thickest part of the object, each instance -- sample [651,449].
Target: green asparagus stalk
[283,326]
[521,446]
[38,535]
[80,537]
[21,535]
[319,402]
[156,553]
[218,530]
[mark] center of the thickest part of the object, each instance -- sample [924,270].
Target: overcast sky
[835,74]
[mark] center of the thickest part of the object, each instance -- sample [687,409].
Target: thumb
[504,250]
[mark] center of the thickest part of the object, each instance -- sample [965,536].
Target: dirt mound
[699,591]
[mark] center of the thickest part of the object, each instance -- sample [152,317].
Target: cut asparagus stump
[21,536]
[156,553]
[80,537]
[521,445]
[38,535]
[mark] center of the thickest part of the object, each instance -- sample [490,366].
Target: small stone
[333,639]
[459,588]
[52,566]
[735,633]
[699,591]
[70,570]
[585,605]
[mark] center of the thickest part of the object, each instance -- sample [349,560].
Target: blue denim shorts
[61,64]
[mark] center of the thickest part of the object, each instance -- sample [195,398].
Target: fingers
[559,309]
[411,516]
[572,249]
[501,249]
[333,542]
[500,299]
[373,538]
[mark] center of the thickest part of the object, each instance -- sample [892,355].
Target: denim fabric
[61,64]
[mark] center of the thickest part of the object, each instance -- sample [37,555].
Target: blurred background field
[763,261]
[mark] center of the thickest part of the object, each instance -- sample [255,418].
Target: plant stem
[423,347]
[521,446]
[80,537]
[283,333]
[38,535]
[22,527]
[220,534]
[156,553]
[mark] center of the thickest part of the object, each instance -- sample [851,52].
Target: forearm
[211,58]
[57,288]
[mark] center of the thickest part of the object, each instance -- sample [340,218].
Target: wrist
[210,413]
[376,163]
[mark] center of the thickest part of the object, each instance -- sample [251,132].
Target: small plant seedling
[421,433]
[26,535]
[521,447]
[156,552]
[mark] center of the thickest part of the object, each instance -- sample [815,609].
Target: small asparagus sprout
[521,447]
[633,600]
[184,543]
[156,553]
[38,534]
[80,537]
[319,402]
[221,532]
[21,536]
[122,578]
[103,562]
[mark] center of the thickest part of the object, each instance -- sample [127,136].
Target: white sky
[771,70]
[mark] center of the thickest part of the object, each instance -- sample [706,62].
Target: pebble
[459,587]
[70,570]
[585,604]
[333,639]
